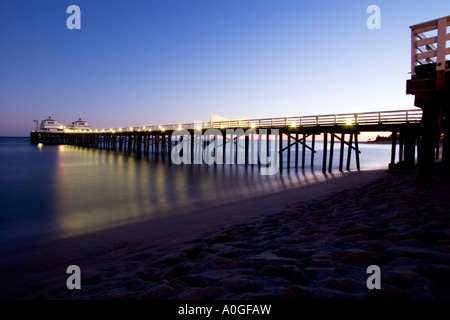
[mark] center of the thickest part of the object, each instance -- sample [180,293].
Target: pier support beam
[325,151]
[341,154]
[393,149]
[349,154]
[289,152]
[330,166]
[281,151]
[304,151]
[357,152]
[446,140]
[296,150]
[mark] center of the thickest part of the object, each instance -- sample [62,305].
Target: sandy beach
[313,242]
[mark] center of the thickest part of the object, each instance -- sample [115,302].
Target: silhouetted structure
[430,83]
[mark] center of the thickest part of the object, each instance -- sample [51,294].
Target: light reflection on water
[100,189]
[66,190]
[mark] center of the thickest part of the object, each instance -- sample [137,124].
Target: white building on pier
[80,125]
[52,125]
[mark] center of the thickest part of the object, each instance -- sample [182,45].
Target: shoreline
[309,242]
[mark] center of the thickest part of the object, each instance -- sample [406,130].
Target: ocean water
[51,192]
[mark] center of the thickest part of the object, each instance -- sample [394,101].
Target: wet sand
[313,242]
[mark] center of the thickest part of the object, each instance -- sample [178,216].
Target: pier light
[293,125]
[144,128]
[198,128]
[179,127]
[120,129]
[96,130]
[349,122]
[253,126]
[206,124]
[163,129]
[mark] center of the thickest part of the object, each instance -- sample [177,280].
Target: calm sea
[61,191]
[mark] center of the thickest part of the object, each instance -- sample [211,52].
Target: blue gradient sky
[175,61]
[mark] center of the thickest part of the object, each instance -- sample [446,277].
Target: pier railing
[370,118]
[360,119]
[429,43]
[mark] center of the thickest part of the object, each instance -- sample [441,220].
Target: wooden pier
[414,132]
[296,137]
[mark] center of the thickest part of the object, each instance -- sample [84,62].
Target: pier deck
[300,133]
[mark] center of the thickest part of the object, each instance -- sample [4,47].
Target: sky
[137,63]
